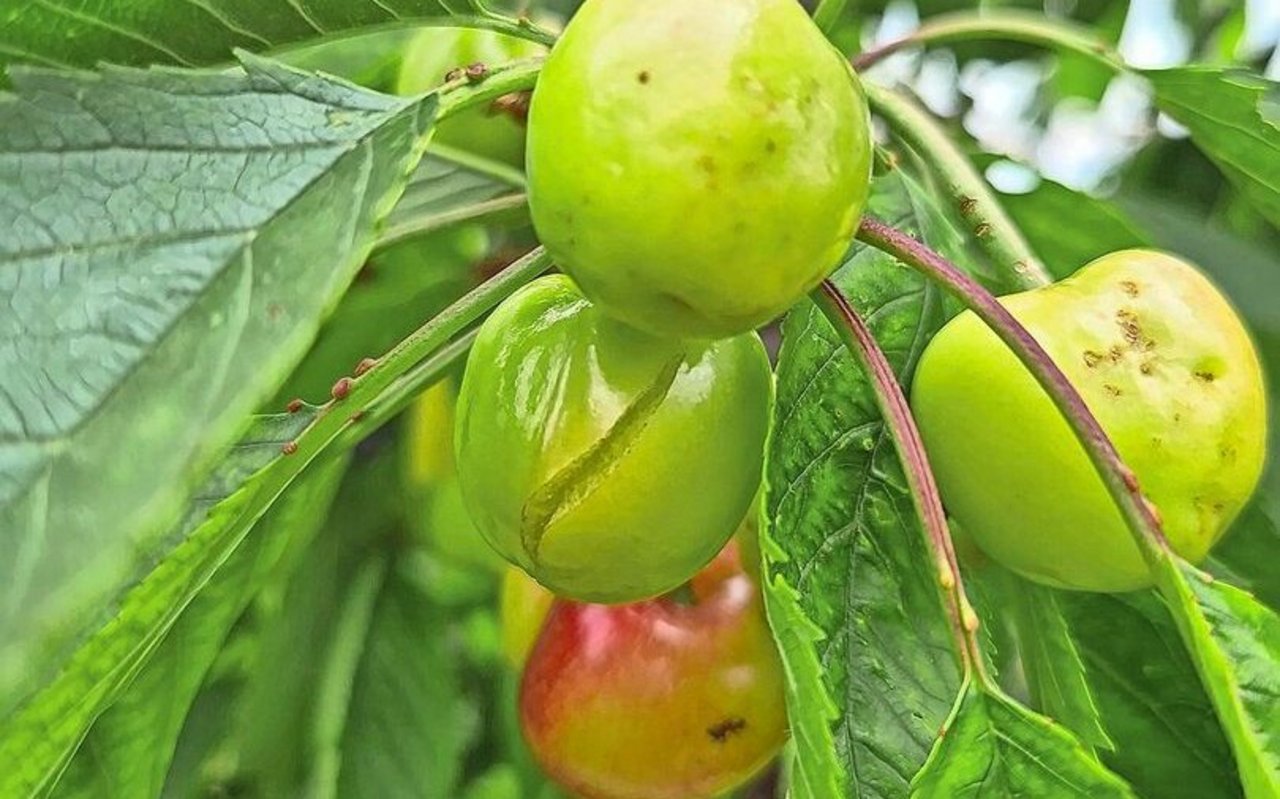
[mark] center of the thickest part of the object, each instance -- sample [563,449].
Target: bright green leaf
[852,596]
[1234,641]
[40,737]
[993,746]
[1069,229]
[173,242]
[407,723]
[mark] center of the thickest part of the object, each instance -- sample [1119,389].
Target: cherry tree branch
[1021,26]
[1118,478]
[994,231]
[893,406]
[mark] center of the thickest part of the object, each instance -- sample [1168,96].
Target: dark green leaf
[127,752]
[1052,663]
[354,683]
[81,33]
[851,592]
[1232,116]
[407,725]
[173,242]
[993,746]
[1069,229]
[1167,741]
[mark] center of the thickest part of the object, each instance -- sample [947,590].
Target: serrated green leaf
[1247,557]
[1232,116]
[1234,641]
[353,685]
[127,752]
[82,33]
[1167,741]
[1052,663]
[853,598]
[993,746]
[408,723]
[174,242]
[811,712]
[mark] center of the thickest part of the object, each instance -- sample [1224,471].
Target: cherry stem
[855,334]
[1118,478]
[1021,26]
[992,228]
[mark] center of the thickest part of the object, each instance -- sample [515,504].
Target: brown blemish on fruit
[1177,417]
[1204,377]
[1129,287]
[1091,358]
[1147,367]
[1129,327]
[721,731]
[1113,390]
[643,76]
[967,205]
[1228,453]
[982,230]
[1116,354]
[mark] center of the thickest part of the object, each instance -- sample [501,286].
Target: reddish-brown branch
[915,461]
[1120,481]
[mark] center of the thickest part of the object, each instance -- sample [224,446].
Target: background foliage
[187,609]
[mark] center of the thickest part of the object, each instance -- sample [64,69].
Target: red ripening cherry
[660,699]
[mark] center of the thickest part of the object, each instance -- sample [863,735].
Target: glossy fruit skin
[1166,366]
[524,607]
[658,699]
[609,464]
[696,166]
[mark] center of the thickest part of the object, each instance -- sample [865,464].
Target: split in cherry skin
[608,463]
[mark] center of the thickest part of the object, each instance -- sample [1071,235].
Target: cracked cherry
[696,166]
[662,699]
[609,464]
[1165,364]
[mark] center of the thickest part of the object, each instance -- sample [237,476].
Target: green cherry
[609,464]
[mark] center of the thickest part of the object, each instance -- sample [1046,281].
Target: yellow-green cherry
[697,165]
[1164,363]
